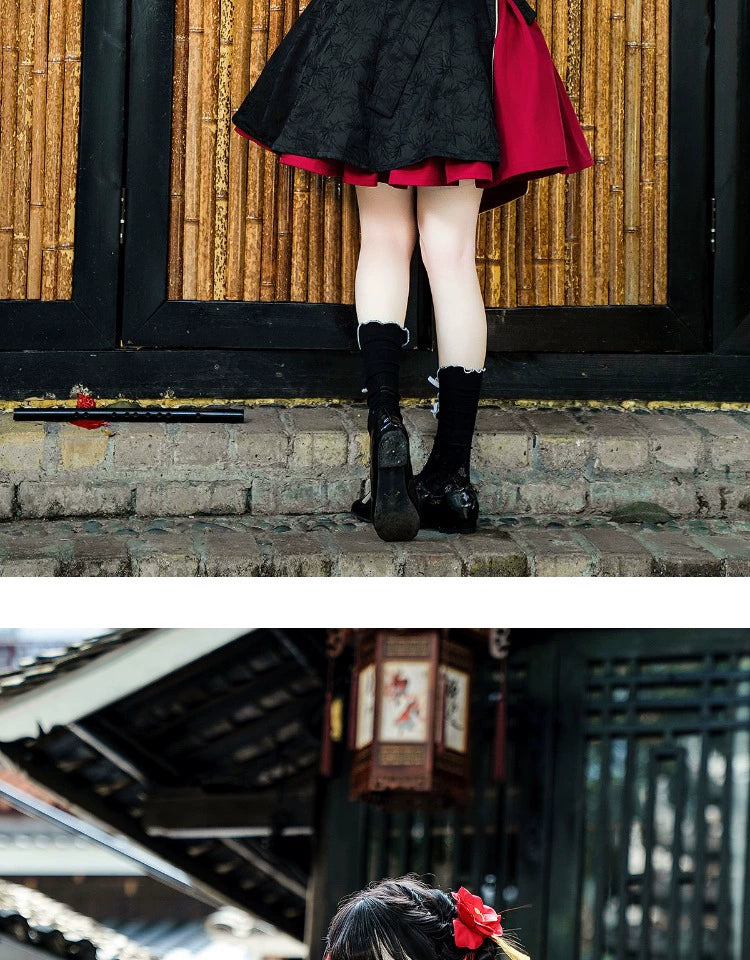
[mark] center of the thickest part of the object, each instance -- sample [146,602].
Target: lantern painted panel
[404,701]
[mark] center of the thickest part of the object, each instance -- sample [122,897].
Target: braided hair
[404,919]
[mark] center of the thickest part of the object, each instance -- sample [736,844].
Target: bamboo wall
[39,116]
[244,226]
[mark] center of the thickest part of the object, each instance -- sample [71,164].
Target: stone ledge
[310,460]
[337,545]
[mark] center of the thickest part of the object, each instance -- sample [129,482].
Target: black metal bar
[132,414]
[677,729]
[724,900]
[699,888]
[601,854]
[626,816]
[672,705]
[679,782]
[647,892]
[550,797]
[745,935]
[695,678]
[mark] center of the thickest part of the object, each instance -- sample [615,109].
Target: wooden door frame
[732,181]
[50,347]
[88,319]
[151,320]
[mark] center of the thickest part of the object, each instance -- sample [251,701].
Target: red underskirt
[538,129]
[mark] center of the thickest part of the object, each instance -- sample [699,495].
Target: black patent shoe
[453,512]
[392,506]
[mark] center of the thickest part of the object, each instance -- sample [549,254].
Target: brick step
[633,465]
[339,546]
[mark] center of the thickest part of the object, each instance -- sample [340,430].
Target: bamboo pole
[190,290]
[493,279]
[221,176]
[268,234]
[256,165]
[617,92]
[22,160]
[207,150]
[602,154]
[524,252]
[300,234]
[647,175]
[558,183]
[481,257]
[270,178]
[38,143]
[661,152]
[540,192]
[237,173]
[177,212]
[506,236]
[52,146]
[332,241]
[350,242]
[315,240]
[68,173]
[570,293]
[585,178]
[632,147]
[9,80]
[284,221]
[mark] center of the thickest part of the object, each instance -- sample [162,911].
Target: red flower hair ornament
[475,921]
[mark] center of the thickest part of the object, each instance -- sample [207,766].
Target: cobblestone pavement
[338,545]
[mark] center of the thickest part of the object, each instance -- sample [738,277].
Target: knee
[443,248]
[389,237]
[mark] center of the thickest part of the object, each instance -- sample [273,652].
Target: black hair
[403,919]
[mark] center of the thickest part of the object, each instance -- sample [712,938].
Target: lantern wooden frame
[401,771]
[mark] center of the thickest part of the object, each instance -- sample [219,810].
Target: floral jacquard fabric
[380,84]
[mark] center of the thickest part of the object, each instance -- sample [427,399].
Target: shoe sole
[394,515]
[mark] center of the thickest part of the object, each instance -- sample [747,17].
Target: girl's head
[404,919]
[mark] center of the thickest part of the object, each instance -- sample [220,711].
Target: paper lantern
[409,719]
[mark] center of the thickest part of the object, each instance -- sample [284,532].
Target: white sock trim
[382,322]
[435,381]
[457,366]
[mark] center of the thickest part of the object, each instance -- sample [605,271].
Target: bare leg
[389,231]
[381,288]
[447,220]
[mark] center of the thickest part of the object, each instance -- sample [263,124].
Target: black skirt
[380,85]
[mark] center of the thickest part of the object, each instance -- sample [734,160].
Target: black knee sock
[449,464]
[381,345]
